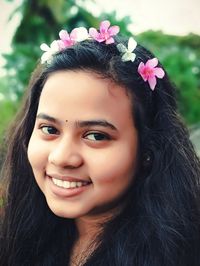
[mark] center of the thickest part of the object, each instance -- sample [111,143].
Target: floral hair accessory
[105,32]
[128,54]
[66,40]
[49,51]
[149,72]
[77,35]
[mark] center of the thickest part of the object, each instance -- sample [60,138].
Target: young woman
[100,168]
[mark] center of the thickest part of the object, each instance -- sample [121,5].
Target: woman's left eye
[97,136]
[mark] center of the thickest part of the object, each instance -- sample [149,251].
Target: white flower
[80,34]
[49,51]
[128,54]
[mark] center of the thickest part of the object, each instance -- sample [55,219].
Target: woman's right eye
[49,130]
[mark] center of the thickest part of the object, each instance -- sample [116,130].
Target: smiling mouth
[69,184]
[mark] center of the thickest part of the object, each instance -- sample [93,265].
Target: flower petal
[128,57]
[82,34]
[46,57]
[142,71]
[93,33]
[122,48]
[61,45]
[54,46]
[110,40]
[74,35]
[44,47]
[131,44]
[152,62]
[159,72]
[104,25]
[113,30]
[79,34]
[140,68]
[64,35]
[152,82]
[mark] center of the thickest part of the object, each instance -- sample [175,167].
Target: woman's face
[84,144]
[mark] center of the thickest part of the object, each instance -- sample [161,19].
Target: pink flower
[149,72]
[66,39]
[106,32]
[76,35]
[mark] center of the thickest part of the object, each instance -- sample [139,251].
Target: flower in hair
[49,51]
[76,35]
[149,72]
[105,32]
[128,54]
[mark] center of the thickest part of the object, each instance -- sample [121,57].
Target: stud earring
[147,159]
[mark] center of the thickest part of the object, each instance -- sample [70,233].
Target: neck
[90,226]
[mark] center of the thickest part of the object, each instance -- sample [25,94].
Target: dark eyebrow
[102,123]
[86,123]
[47,117]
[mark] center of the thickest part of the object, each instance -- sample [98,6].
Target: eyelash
[105,136]
[48,127]
[102,136]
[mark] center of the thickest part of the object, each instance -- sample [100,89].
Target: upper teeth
[68,184]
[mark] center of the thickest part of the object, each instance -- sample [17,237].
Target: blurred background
[170,29]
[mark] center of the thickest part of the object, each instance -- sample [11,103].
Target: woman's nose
[65,154]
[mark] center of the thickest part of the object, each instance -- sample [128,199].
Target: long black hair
[160,223]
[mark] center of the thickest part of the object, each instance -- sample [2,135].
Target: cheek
[112,178]
[37,154]
[113,167]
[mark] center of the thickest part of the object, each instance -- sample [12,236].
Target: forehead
[85,94]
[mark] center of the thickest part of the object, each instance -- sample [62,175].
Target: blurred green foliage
[42,20]
[180,56]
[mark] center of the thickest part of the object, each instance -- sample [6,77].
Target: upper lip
[67,178]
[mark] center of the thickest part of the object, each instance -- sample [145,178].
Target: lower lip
[67,192]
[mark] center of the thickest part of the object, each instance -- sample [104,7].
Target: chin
[63,213]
